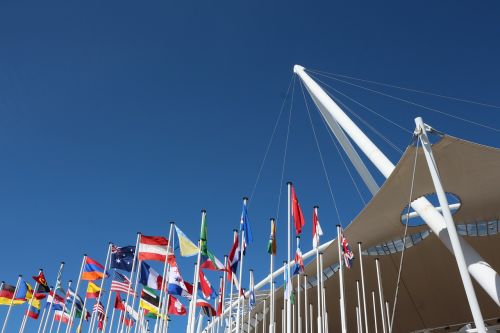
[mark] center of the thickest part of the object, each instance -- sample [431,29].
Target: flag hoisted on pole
[11,302]
[271,249]
[72,309]
[100,288]
[319,275]
[341,279]
[246,239]
[134,264]
[25,316]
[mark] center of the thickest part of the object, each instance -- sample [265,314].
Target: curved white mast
[483,273]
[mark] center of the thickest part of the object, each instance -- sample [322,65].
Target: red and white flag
[175,307]
[62,316]
[317,231]
[154,248]
[297,215]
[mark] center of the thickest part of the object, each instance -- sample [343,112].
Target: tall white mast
[483,273]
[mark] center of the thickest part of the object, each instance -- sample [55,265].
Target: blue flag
[122,257]
[245,225]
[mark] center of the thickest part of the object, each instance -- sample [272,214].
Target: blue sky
[121,116]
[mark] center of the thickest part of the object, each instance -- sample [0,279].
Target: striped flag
[299,262]
[149,300]
[245,226]
[346,250]
[271,246]
[121,284]
[154,248]
[297,215]
[317,231]
[99,308]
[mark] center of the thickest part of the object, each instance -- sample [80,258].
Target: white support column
[450,226]
[483,273]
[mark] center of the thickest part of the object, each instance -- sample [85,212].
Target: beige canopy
[431,292]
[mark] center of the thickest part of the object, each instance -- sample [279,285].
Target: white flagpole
[271,289]
[388,319]
[358,325]
[164,321]
[240,275]
[44,312]
[10,304]
[322,295]
[58,284]
[84,312]
[306,310]
[319,285]
[365,313]
[283,320]
[63,309]
[293,318]
[285,300]
[71,313]
[249,314]
[112,317]
[224,277]
[263,317]
[381,296]
[360,328]
[341,280]
[374,311]
[166,267]
[299,317]
[256,327]
[289,259]
[326,320]
[311,322]
[192,310]
[25,316]
[134,296]
[108,302]
[106,264]
[235,234]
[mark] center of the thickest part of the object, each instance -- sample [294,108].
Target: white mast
[483,273]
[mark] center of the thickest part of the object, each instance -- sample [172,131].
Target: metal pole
[25,316]
[381,296]
[360,254]
[358,325]
[341,281]
[450,226]
[483,273]
[311,322]
[134,261]
[112,318]
[306,310]
[71,313]
[107,263]
[10,304]
[289,259]
[319,286]
[271,291]
[42,320]
[374,311]
[57,285]
[322,291]
[264,316]
[389,324]
[163,306]
[359,307]
[240,276]
[63,309]
[299,317]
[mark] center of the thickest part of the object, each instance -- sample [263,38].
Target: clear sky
[120,116]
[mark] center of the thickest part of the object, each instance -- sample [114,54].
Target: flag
[119,303]
[34,309]
[56,301]
[98,308]
[122,257]
[154,248]
[121,284]
[245,226]
[175,307]
[317,231]
[297,215]
[271,247]
[149,277]
[61,316]
[43,287]
[288,286]
[92,270]
[203,235]
[347,253]
[205,287]
[7,295]
[176,284]
[208,310]
[93,290]
[220,300]
[299,262]
[251,301]
[187,247]
[149,300]
[69,299]
[128,322]
[234,257]
[211,262]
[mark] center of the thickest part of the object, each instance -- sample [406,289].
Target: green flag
[271,246]
[203,235]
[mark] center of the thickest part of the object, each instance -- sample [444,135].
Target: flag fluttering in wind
[220,299]
[346,250]
[154,248]
[7,295]
[245,226]
[234,257]
[316,229]
[297,215]
[288,287]
[203,235]
[205,287]
[62,316]
[34,309]
[56,300]
[93,290]
[122,257]
[207,308]
[187,247]
[211,262]
[175,307]
[92,270]
[43,287]
[149,300]
[149,277]
[176,284]
[299,262]
[119,303]
[252,301]
[121,284]
[271,246]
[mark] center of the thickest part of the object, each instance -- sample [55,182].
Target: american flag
[121,283]
[346,250]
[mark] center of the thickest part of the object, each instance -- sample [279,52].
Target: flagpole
[159,322]
[319,284]
[240,276]
[271,296]
[286,299]
[374,311]
[224,277]
[10,304]
[108,302]
[341,280]
[263,317]
[106,264]
[50,306]
[306,310]
[299,317]
[380,295]
[112,316]
[388,315]
[311,322]
[365,313]
[84,311]
[135,296]
[235,235]
[194,297]
[166,305]
[25,316]
[63,309]
[134,261]
[360,328]
[322,294]
[289,259]
[70,323]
